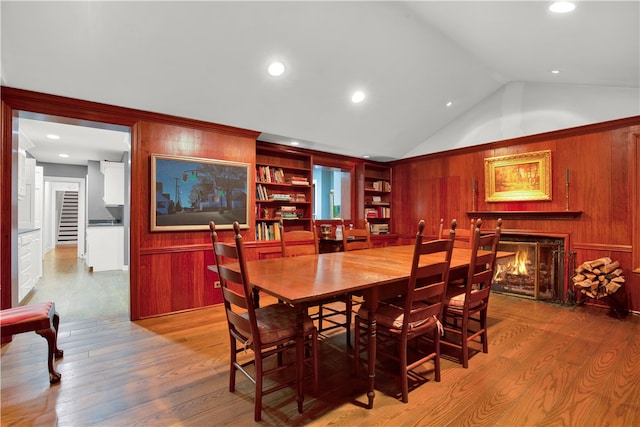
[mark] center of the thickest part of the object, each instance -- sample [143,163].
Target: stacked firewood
[599,277]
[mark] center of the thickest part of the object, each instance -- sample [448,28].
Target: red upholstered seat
[25,316]
[40,318]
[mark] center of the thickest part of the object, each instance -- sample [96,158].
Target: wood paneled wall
[603,167]
[168,270]
[172,271]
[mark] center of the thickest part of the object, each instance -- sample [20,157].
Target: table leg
[300,312]
[372,304]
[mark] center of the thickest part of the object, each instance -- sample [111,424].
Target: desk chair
[266,331]
[416,314]
[469,303]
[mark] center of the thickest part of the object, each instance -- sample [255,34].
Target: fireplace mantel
[541,215]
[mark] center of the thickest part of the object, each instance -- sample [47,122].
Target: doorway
[79,293]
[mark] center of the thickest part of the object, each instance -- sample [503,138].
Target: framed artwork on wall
[188,192]
[518,177]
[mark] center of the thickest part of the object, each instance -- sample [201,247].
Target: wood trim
[635,203]
[529,139]
[543,215]
[603,247]
[8,209]
[60,106]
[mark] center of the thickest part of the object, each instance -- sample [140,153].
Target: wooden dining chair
[266,331]
[338,312]
[463,235]
[297,242]
[416,313]
[466,306]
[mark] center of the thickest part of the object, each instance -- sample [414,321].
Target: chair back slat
[356,238]
[427,283]
[235,284]
[481,265]
[297,242]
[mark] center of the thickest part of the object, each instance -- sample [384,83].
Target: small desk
[304,280]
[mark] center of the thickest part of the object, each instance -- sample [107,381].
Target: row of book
[380,186]
[267,231]
[379,228]
[270,174]
[377,212]
[274,175]
[263,194]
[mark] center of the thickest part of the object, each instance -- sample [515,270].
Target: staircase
[68,225]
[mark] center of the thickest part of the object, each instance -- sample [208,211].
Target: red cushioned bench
[40,318]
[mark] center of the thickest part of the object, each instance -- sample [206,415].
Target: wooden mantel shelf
[542,215]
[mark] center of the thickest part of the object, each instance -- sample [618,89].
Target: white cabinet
[26,204]
[29,261]
[113,182]
[105,248]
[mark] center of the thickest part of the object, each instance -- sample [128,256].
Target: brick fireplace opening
[538,268]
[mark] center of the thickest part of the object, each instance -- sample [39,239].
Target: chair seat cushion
[277,322]
[456,300]
[26,318]
[391,315]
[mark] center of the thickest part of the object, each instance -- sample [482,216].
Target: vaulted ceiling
[207,60]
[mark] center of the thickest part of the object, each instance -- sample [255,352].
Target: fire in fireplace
[534,271]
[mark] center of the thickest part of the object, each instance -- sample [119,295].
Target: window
[332,192]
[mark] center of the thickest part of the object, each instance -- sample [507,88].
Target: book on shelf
[281,197]
[379,228]
[288,212]
[267,231]
[298,180]
[380,185]
[377,212]
[270,174]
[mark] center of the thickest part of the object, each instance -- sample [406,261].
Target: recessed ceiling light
[555,71]
[449,104]
[358,96]
[276,68]
[63,155]
[52,136]
[562,7]
[366,156]
[295,143]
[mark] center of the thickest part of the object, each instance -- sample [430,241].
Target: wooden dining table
[304,281]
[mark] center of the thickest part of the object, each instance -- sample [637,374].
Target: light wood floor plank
[547,365]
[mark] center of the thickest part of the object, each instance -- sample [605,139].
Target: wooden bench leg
[51,335]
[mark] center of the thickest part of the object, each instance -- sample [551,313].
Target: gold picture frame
[518,177]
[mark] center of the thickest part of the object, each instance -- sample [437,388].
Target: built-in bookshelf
[283,191]
[377,197]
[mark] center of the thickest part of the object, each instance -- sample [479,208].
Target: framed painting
[518,177]
[188,192]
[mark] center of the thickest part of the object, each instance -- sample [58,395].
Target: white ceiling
[207,60]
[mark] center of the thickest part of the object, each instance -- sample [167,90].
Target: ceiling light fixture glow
[63,155]
[358,96]
[276,68]
[555,71]
[52,136]
[562,7]
[449,104]
[295,143]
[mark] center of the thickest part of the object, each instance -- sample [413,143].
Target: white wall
[520,109]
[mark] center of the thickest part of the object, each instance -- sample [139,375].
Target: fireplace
[536,270]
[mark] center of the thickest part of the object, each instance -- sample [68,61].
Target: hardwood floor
[547,365]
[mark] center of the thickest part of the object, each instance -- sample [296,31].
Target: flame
[516,268]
